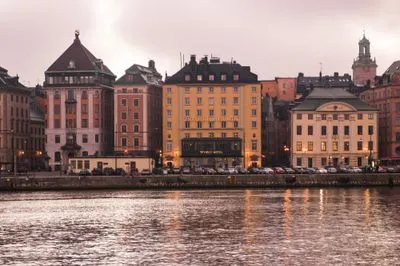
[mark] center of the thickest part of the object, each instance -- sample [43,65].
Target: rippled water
[242,227]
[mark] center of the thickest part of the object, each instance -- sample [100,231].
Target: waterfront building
[333,127]
[79,116]
[138,112]
[385,95]
[14,120]
[364,68]
[212,115]
[281,88]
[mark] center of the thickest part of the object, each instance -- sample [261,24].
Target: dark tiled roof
[10,83]
[394,67]
[205,68]
[82,59]
[141,75]
[320,96]
[335,81]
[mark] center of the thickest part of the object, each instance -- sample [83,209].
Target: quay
[53,182]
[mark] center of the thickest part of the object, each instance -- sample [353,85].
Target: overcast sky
[274,38]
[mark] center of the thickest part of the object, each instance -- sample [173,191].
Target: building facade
[333,127]
[281,88]
[36,150]
[212,115]
[385,95]
[79,113]
[138,111]
[14,121]
[364,68]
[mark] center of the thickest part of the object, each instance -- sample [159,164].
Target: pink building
[283,89]
[79,117]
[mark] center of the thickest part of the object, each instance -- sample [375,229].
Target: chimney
[336,74]
[152,65]
[193,58]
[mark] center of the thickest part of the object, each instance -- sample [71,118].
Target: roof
[320,96]
[205,68]
[9,82]
[141,75]
[78,58]
[335,81]
[394,67]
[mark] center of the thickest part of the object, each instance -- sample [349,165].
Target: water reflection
[274,227]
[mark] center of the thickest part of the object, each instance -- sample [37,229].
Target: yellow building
[212,115]
[333,127]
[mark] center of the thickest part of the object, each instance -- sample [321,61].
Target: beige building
[127,163]
[333,127]
[212,115]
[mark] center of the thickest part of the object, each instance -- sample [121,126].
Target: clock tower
[364,68]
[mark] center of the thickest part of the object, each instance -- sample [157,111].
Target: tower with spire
[364,67]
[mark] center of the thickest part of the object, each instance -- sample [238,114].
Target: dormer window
[211,77]
[71,64]
[223,77]
[187,77]
[130,77]
[199,77]
[235,77]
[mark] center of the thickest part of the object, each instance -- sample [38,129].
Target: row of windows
[124,142]
[328,161]
[85,138]
[57,158]
[18,98]
[124,102]
[135,115]
[334,145]
[71,109]
[125,127]
[70,79]
[211,124]
[19,112]
[211,90]
[72,93]
[335,130]
[71,123]
[212,77]
[211,112]
[211,101]
[254,143]
[299,116]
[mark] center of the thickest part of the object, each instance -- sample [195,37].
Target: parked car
[186,170]
[331,170]
[267,170]
[382,169]
[321,171]
[278,170]
[108,171]
[176,170]
[209,171]
[254,170]
[300,170]
[199,170]
[232,171]
[120,171]
[242,170]
[145,172]
[97,171]
[310,170]
[355,169]
[289,170]
[84,172]
[220,170]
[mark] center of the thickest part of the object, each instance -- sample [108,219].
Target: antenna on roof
[180,59]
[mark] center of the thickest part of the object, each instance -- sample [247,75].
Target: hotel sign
[211,147]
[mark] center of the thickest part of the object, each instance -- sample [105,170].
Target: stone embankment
[22,183]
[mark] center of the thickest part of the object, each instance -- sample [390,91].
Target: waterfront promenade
[59,182]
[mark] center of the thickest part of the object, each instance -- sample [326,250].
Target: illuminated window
[335,146]
[323,146]
[310,146]
[299,145]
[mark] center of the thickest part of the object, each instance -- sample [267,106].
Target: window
[124,90]
[199,77]
[346,130]
[370,116]
[346,146]
[211,135]
[187,113]
[298,130]
[253,89]
[223,77]
[253,100]
[253,112]
[223,100]
[210,90]
[359,161]
[135,115]
[334,130]
[254,124]
[346,117]
[323,130]
[335,146]
[223,112]
[235,77]
[310,116]
[370,130]
[199,124]
[187,101]
[169,100]
[253,145]
[123,128]
[84,123]
[235,89]
[359,130]
[199,101]
[211,112]
[84,138]
[298,116]
[298,161]
[310,146]
[323,145]
[136,142]
[359,145]
[235,100]
[57,139]
[211,124]
[187,135]
[199,135]
[123,115]
[136,102]
[235,124]
[335,116]
[187,90]
[323,161]
[199,90]
[211,77]
[169,90]
[223,90]
[359,116]
[223,135]
[136,128]
[57,156]
[235,134]
[56,110]
[235,112]
[169,113]
[96,138]
[223,124]
[370,145]
[211,100]
[187,77]
[199,112]
[169,146]
[323,117]
[310,130]
[84,108]
[169,125]
[299,146]
[123,102]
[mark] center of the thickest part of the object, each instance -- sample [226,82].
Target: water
[225,227]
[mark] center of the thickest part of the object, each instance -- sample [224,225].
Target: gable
[336,107]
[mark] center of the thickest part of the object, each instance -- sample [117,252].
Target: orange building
[283,89]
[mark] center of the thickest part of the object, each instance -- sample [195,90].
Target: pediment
[336,107]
